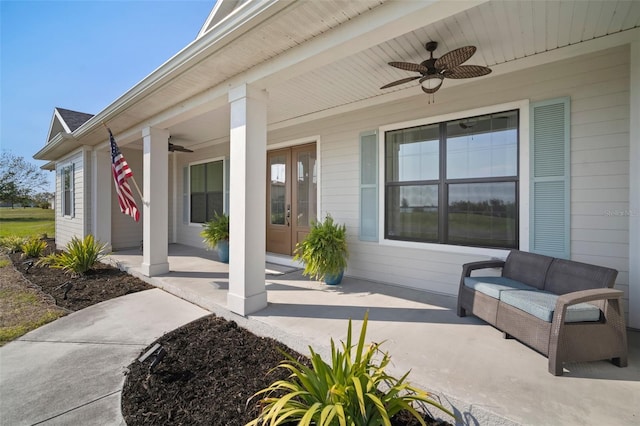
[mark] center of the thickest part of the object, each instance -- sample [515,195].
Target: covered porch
[487,379]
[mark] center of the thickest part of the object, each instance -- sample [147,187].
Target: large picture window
[67,191]
[454,182]
[206,190]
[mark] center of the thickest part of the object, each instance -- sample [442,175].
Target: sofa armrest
[483,264]
[590,295]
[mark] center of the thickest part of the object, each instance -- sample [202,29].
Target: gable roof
[66,121]
[221,10]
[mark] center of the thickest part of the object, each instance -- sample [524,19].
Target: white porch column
[634,189]
[247,210]
[155,211]
[101,187]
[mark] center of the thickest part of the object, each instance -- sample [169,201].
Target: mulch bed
[211,368]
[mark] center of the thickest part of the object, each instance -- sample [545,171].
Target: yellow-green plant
[324,250]
[33,247]
[12,243]
[78,257]
[353,390]
[217,229]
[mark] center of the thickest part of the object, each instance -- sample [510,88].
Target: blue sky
[81,55]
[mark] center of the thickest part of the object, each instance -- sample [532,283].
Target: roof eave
[192,54]
[61,144]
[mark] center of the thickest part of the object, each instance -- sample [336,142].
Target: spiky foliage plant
[33,247]
[12,244]
[353,390]
[217,229]
[78,257]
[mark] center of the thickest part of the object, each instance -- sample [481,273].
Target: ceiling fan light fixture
[431,83]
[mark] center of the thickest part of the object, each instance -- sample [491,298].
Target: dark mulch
[211,369]
[102,283]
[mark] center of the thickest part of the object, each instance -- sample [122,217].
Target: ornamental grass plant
[33,247]
[78,257]
[353,389]
[215,230]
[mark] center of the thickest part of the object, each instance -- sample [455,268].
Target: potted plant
[215,234]
[324,251]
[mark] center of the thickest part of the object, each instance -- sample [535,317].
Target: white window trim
[224,185]
[71,168]
[524,165]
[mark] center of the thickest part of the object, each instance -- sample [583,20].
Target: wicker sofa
[566,310]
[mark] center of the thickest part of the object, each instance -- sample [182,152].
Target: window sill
[447,248]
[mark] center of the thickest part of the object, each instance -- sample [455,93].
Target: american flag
[122,172]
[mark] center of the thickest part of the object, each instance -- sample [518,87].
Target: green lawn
[24,222]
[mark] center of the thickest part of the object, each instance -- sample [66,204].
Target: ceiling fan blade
[404,80]
[408,66]
[467,71]
[452,59]
[174,147]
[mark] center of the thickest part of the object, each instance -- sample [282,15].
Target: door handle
[288,214]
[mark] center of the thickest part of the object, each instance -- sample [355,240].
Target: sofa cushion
[529,268]
[493,286]
[542,304]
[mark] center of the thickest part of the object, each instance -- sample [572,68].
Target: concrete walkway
[71,371]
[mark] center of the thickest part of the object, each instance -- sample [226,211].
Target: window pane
[214,173]
[198,208]
[483,214]
[413,154]
[197,178]
[485,146]
[412,212]
[214,204]
[67,203]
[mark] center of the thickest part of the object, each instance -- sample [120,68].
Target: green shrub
[353,390]
[33,247]
[12,243]
[78,257]
[217,229]
[324,250]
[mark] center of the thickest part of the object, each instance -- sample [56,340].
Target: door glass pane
[485,146]
[306,187]
[278,173]
[412,212]
[483,214]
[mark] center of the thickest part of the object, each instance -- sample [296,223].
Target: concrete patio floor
[485,378]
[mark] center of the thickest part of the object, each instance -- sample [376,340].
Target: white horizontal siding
[599,89]
[126,232]
[69,227]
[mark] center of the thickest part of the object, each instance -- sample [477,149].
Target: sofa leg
[462,312]
[555,367]
[506,335]
[620,361]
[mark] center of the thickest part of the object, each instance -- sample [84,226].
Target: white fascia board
[191,55]
[61,144]
[227,8]
[64,123]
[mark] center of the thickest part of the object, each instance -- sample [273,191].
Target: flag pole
[133,179]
